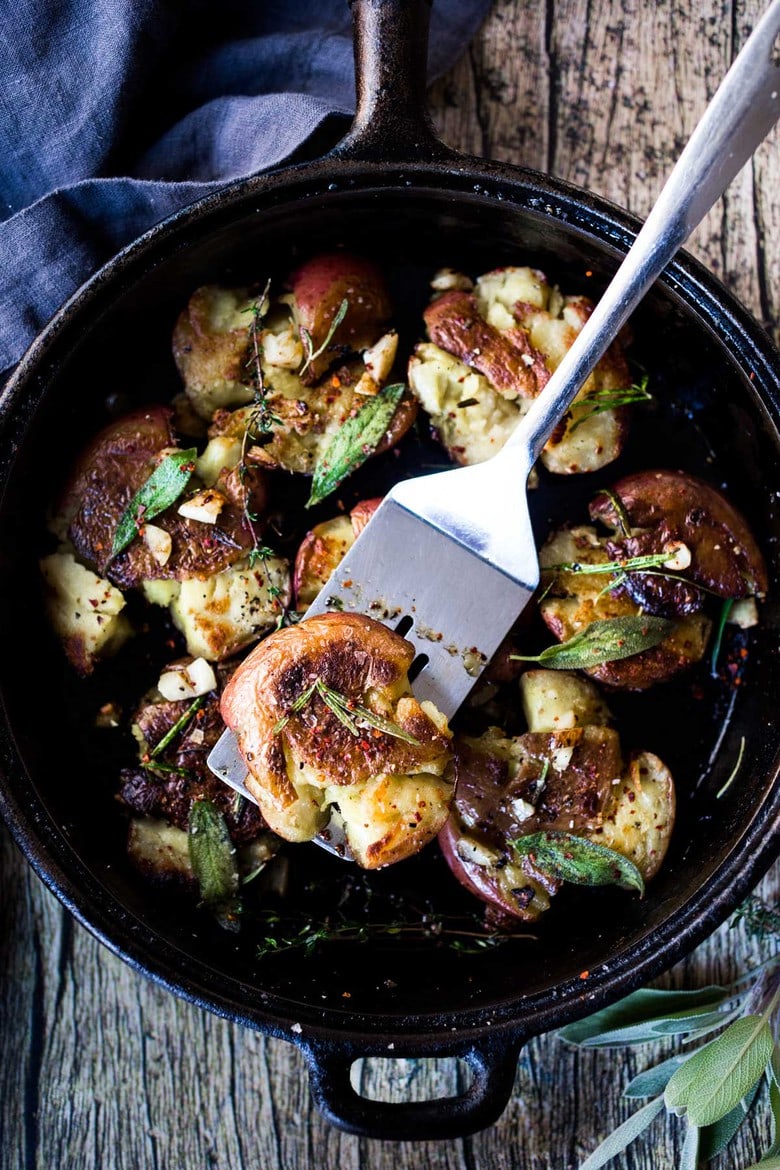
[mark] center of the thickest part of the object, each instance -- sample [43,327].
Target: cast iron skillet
[391,189]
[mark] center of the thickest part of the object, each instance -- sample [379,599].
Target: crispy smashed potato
[323,549]
[492,350]
[566,775]
[392,790]
[85,611]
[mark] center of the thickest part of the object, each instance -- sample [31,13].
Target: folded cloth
[115,113]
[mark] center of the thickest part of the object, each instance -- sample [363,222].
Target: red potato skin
[455,324]
[109,473]
[320,285]
[725,558]
[362,513]
[318,556]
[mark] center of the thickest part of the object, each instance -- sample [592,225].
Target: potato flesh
[211,348]
[226,612]
[554,700]
[473,433]
[161,851]
[85,610]
[638,823]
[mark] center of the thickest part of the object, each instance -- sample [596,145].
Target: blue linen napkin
[115,113]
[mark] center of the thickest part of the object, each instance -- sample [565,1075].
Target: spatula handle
[743,111]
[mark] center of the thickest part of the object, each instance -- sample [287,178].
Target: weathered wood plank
[102,1068]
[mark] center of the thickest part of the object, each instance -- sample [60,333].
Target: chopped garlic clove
[380,357]
[522,809]
[366,386]
[744,613]
[447,278]
[204,506]
[679,555]
[158,541]
[474,851]
[187,681]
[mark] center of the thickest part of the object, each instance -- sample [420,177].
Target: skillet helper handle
[492,1060]
[391,119]
[739,117]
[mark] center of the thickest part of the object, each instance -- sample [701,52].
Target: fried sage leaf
[354,442]
[580,861]
[603,641]
[213,860]
[162,488]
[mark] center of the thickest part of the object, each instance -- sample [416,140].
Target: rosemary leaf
[159,766]
[311,353]
[603,641]
[576,859]
[354,442]
[623,522]
[725,787]
[213,860]
[346,711]
[629,565]
[162,488]
[725,610]
[178,726]
[298,705]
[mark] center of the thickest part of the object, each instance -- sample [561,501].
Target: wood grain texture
[102,1069]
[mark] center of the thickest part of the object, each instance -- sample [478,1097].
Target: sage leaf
[766,1164]
[624,1135]
[163,487]
[645,1006]
[580,861]
[689,1155]
[716,1078]
[774,1104]
[653,1080]
[713,1139]
[354,441]
[213,860]
[604,641]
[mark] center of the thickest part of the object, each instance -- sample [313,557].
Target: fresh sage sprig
[346,710]
[715,1086]
[354,441]
[213,860]
[311,354]
[163,487]
[603,641]
[570,858]
[600,400]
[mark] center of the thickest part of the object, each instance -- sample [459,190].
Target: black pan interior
[115,352]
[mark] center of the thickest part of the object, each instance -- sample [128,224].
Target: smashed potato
[565,776]
[85,611]
[492,350]
[391,788]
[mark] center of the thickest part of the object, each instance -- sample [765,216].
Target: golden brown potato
[575,600]
[324,547]
[303,758]
[569,779]
[492,350]
[211,348]
[85,611]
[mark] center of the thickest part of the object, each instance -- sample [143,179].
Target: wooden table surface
[99,1068]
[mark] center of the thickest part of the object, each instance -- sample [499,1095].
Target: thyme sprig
[307,935]
[715,1086]
[310,353]
[346,710]
[599,401]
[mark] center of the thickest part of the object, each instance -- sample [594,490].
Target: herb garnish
[715,1087]
[624,524]
[213,860]
[570,858]
[178,726]
[462,934]
[354,441]
[346,711]
[163,487]
[727,784]
[725,610]
[310,353]
[603,641]
[600,400]
[159,766]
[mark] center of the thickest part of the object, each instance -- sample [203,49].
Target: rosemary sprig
[715,1087]
[628,565]
[178,726]
[601,400]
[311,354]
[159,766]
[346,710]
[725,610]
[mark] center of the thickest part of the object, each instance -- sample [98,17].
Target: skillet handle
[492,1060]
[391,121]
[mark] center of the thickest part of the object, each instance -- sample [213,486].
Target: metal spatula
[450,557]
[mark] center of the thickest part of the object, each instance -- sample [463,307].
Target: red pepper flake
[346,995]
[585,974]
[335,381]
